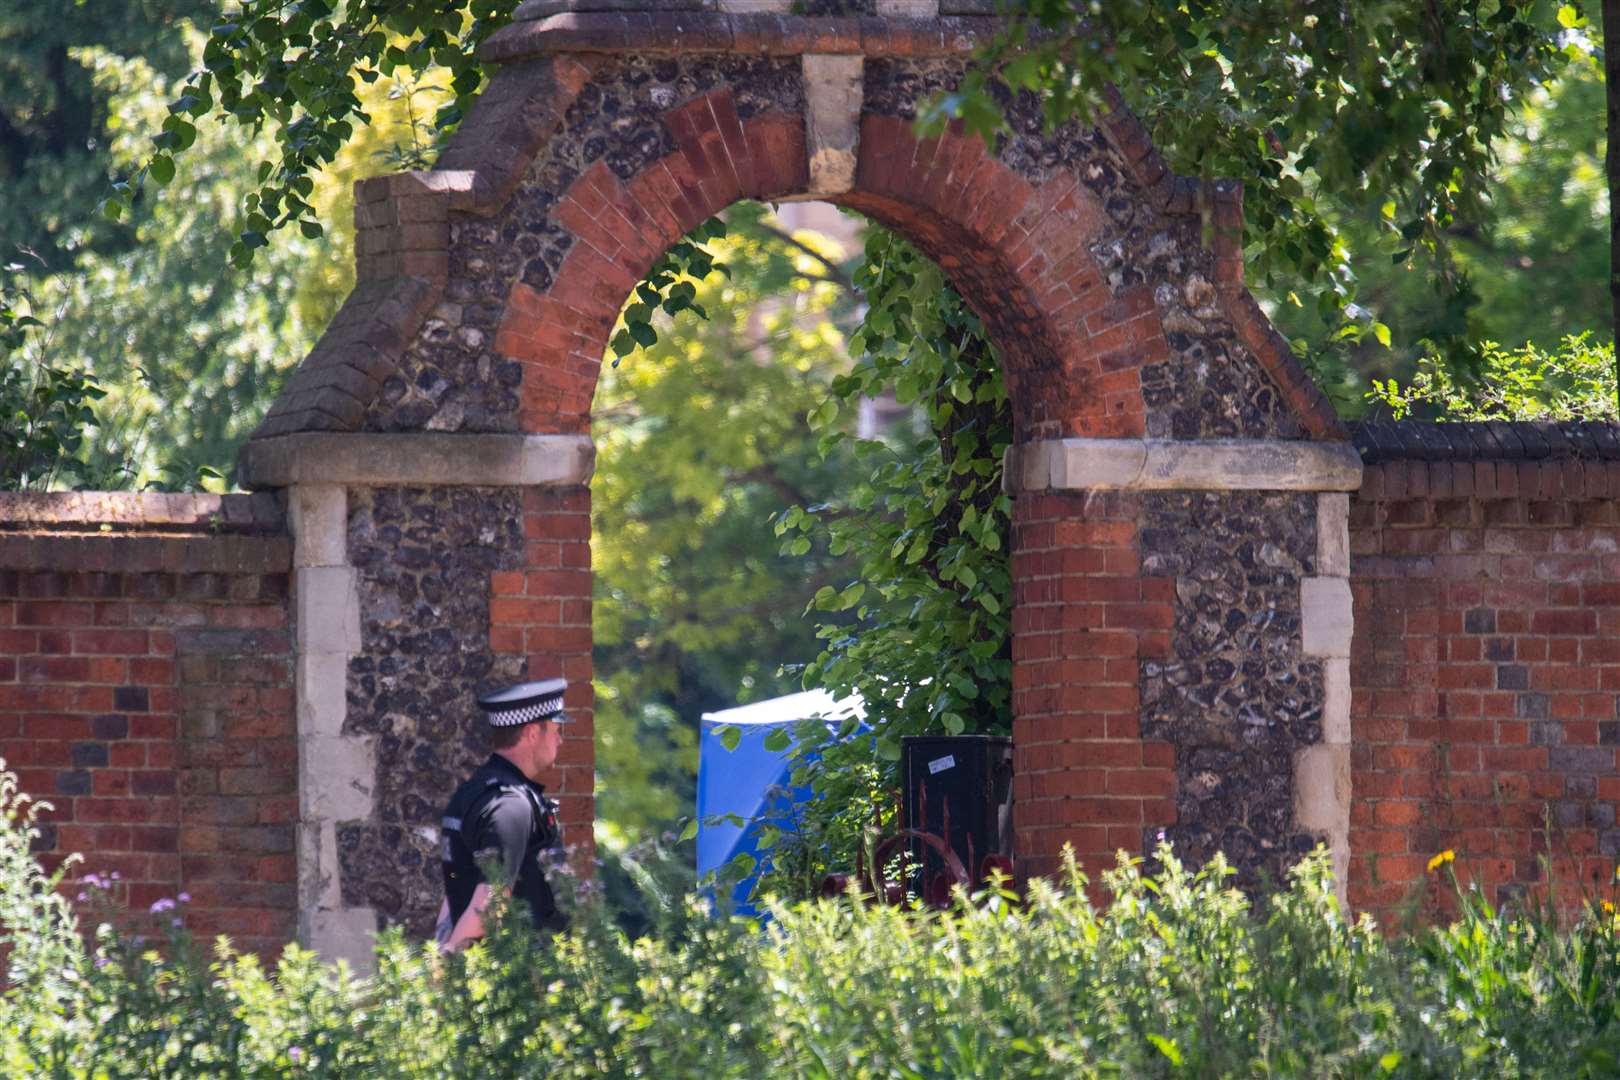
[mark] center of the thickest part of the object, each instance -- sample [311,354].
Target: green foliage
[701,438]
[921,635]
[39,936]
[299,69]
[189,352]
[45,406]
[1575,381]
[56,120]
[1178,976]
[671,287]
[925,517]
[1373,103]
[1529,266]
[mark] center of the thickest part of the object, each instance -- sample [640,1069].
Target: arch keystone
[833,87]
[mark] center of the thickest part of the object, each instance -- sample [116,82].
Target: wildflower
[296,1054]
[82,897]
[184,898]
[1608,908]
[1441,859]
[160,906]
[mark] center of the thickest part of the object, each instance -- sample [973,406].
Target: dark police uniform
[498,816]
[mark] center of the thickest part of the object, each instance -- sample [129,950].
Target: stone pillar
[336,771]
[1179,648]
[403,547]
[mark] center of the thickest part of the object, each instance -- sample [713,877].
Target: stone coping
[1485,440]
[138,511]
[1168,465]
[176,553]
[693,32]
[417,460]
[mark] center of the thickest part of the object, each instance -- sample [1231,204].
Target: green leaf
[778,740]
[730,736]
[689,832]
[1166,1047]
[161,169]
[643,333]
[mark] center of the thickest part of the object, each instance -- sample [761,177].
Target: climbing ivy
[925,517]
[671,287]
[922,633]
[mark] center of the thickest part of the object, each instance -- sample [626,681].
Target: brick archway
[1177,520]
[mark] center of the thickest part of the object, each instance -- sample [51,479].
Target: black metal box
[959,789]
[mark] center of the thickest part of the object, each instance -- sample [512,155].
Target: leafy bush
[1177,976]
[1575,381]
[45,408]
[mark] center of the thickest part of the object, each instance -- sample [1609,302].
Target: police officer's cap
[525,703]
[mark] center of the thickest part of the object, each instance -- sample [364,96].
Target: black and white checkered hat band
[538,710]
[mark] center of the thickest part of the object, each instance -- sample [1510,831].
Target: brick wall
[543,613]
[146,693]
[1084,620]
[1486,661]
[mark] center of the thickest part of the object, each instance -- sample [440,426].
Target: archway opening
[797,487]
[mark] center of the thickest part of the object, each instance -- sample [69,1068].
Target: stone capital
[1170,465]
[418,460]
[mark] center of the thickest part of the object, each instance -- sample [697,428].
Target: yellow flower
[1441,859]
[1608,908]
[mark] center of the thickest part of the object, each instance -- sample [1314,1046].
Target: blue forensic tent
[751,781]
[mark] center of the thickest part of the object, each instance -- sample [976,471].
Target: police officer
[501,816]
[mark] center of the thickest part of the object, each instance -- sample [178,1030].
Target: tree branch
[835,273]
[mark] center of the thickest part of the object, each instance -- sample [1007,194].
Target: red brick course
[1084,618]
[153,709]
[543,613]
[1485,678]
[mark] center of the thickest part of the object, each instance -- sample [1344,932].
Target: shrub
[1575,381]
[1178,975]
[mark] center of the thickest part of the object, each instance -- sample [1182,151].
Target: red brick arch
[1017,251]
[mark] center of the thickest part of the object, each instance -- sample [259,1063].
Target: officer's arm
[500,835]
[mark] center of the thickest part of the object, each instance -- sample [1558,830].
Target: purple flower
[184,898]
[160,906]
[295,1054]
[101,962]
[177,922]
[83,896]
